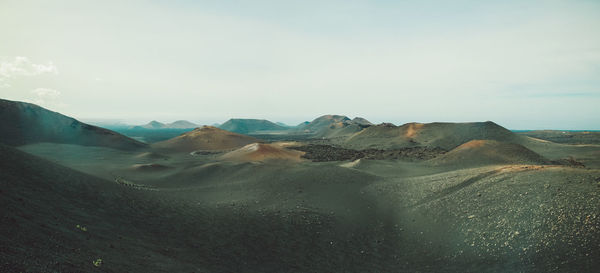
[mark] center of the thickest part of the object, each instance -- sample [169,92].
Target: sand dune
[205,138]
[263,152]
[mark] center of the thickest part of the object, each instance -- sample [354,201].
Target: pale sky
[522,64]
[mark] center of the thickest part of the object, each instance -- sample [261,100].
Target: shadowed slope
[46,207]
[24,123]
[205,138]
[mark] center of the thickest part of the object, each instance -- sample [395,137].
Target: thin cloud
[20,66]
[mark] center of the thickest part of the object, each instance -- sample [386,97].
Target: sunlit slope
[512,218]
[258,152]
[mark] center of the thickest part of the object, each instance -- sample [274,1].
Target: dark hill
[24,123]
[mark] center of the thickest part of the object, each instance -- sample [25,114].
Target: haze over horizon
[533,65]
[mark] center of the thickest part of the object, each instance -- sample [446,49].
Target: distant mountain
[205,138]
[180,124]
[443,135]
[330,126]
[283,124]
[154,125]
[249,126]
[23,123]
[324,122]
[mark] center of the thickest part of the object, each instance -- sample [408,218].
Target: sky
[521,64]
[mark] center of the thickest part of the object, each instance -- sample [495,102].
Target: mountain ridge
[24,123]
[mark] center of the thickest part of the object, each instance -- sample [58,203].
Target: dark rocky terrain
[322,153]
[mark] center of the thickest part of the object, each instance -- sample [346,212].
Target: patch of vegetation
[82,228]
[97,262]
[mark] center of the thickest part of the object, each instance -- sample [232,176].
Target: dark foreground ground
[376,216]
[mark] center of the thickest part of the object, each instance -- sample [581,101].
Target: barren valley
[333,195]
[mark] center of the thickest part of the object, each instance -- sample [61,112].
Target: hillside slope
[488,152]
[55,219]
[25,123]
[443,135]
